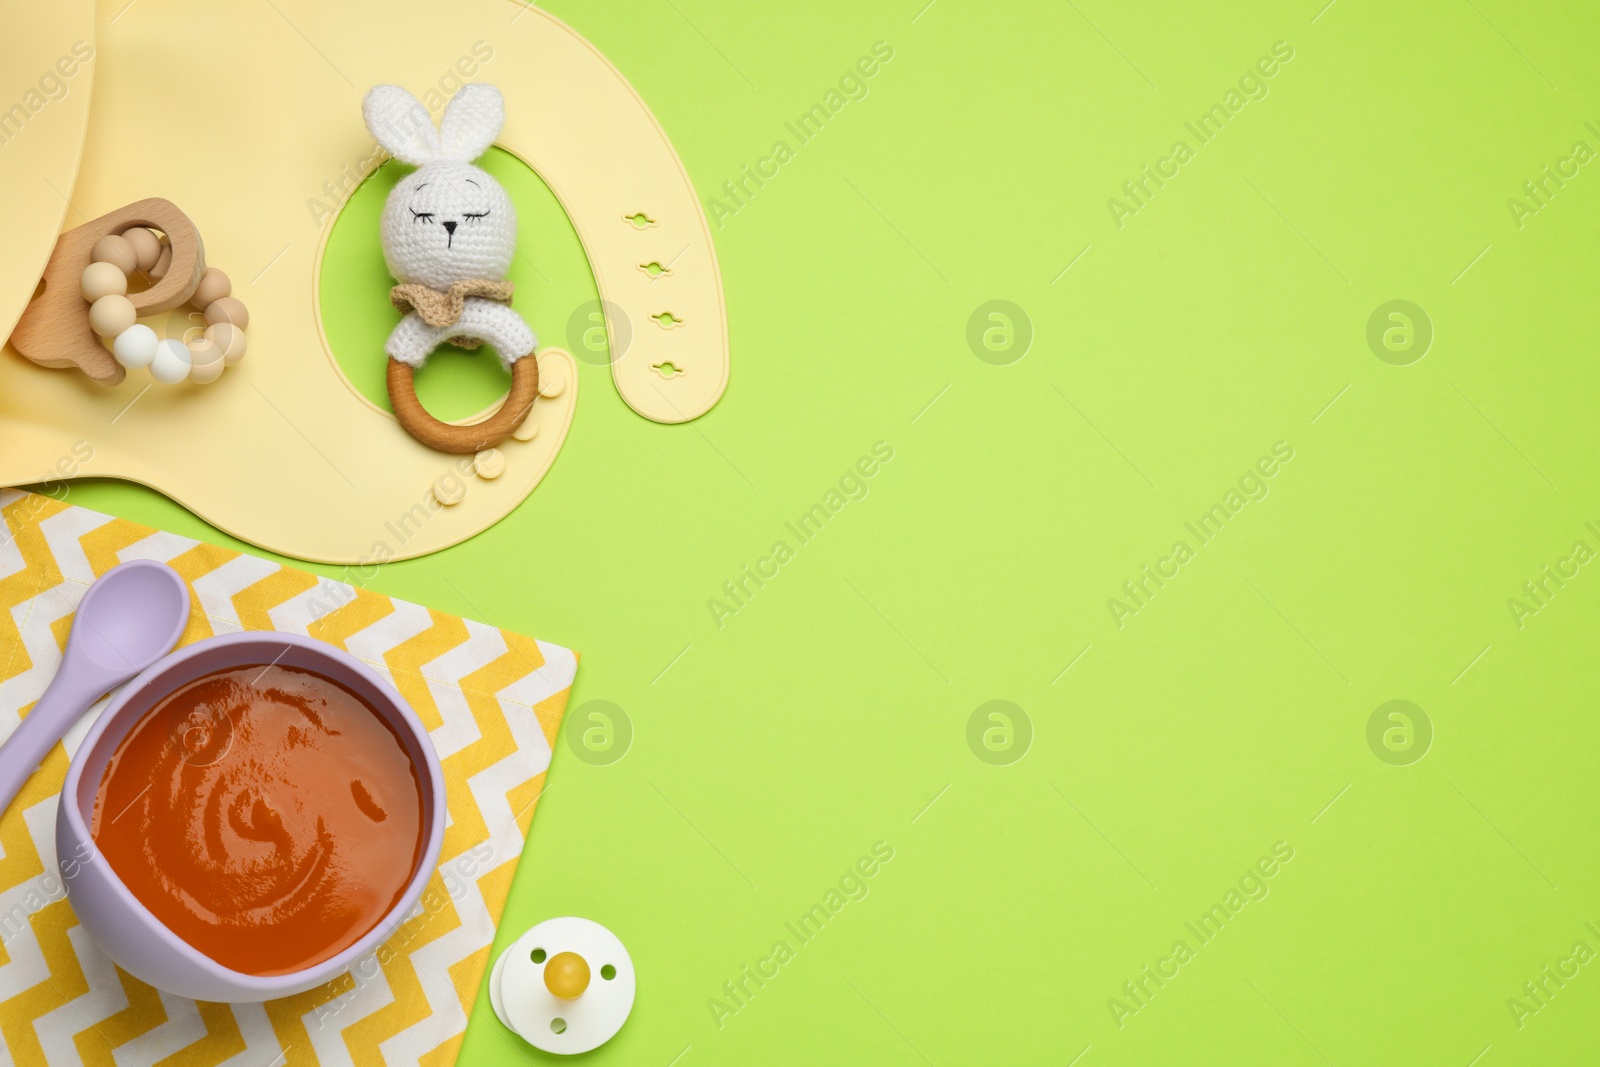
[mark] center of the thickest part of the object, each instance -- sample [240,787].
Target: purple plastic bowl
[139,942]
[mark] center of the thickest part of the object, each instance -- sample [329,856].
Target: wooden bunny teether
[55,331]
[449,234]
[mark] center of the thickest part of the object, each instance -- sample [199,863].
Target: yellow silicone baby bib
[249,119]
[45,86]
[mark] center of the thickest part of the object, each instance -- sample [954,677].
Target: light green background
[1227,715]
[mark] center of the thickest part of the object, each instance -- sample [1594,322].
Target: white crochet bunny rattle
[449,232]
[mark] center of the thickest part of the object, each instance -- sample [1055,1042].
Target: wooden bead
[117,251]
[146,247]
[230,339]
[102,279]
[205,356]
[163,261]
[214,285]
[112,314]
[229,309]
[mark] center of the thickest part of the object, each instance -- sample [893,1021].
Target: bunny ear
[401,124]
[472,121]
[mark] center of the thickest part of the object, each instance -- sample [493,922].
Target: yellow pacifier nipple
[566,975]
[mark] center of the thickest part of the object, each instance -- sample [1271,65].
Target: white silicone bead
[171,364]
[135,347]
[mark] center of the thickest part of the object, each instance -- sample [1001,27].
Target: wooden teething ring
[473,437]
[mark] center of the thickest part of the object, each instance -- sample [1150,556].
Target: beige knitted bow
[443,308]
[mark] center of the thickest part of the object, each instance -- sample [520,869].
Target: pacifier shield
[595,990]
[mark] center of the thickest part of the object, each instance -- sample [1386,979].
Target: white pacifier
[566,986]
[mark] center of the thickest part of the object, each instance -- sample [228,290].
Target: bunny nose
[450,228]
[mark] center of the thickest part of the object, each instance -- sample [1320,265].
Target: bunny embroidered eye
[475,215]
[421,216]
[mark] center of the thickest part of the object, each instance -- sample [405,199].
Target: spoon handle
[69,695]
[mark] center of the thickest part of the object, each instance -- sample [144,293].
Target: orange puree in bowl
[266,815]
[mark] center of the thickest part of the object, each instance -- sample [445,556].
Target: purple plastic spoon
[131,616]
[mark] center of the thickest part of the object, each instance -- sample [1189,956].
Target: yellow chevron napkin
[492,702]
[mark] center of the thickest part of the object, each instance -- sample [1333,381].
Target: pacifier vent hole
[538,957]
[608,972]
[558,1026]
